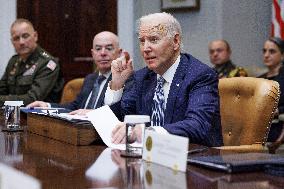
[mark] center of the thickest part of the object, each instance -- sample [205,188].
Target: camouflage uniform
[38,78]
[228,69]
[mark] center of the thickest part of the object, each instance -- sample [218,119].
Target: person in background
[273,56]
[176,90]
[220,56]
[32,74]
[105,49]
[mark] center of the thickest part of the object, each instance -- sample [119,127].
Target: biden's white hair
[172,26]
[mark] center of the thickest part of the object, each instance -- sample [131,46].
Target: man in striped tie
[176,90]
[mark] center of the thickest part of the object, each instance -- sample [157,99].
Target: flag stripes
[277,26]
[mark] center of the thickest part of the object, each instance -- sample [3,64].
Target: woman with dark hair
[273,56]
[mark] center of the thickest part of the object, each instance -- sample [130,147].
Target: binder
[243,162]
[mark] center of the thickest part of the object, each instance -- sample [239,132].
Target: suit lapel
[89,88]
[175,88]
[148,87]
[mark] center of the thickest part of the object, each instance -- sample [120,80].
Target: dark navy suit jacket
[192,108]
[82,97]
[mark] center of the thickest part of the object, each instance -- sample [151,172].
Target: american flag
[277,28]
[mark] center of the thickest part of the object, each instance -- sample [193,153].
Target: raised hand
[121,69]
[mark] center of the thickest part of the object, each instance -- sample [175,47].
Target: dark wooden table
[59,165]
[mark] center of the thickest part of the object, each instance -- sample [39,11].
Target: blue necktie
[95,92]
[157,118]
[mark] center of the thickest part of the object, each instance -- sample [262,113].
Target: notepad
[232,163]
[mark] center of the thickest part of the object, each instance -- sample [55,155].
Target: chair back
[71,90]
[247,107]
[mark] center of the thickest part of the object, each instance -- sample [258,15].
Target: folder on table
[243,162]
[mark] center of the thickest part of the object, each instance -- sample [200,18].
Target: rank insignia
[45,54]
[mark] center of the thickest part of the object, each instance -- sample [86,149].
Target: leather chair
[247,107]
[71,89]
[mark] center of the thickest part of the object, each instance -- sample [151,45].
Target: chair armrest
[243,148]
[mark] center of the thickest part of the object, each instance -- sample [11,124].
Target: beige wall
[245,24]
[7,16]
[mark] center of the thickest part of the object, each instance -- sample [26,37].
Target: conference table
[60,165]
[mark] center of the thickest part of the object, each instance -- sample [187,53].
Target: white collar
[170,73]
[105,74]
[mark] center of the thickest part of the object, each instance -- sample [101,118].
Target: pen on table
[198,150]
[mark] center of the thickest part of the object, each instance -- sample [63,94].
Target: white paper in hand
[104,121]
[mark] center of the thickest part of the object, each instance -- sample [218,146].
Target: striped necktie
[95,92]
[157,118]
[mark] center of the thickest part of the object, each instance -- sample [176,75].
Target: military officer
[32,74]
[220,57]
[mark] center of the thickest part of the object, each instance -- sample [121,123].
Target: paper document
[104,121]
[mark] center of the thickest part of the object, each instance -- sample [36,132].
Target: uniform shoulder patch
[51,65]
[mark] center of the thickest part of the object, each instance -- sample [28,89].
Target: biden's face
[156,47]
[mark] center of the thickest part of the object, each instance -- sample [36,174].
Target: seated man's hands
[138,132]
[119,133]
[80,112]
[37,104]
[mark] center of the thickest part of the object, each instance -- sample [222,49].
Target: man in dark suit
[105,49]
[176,90]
